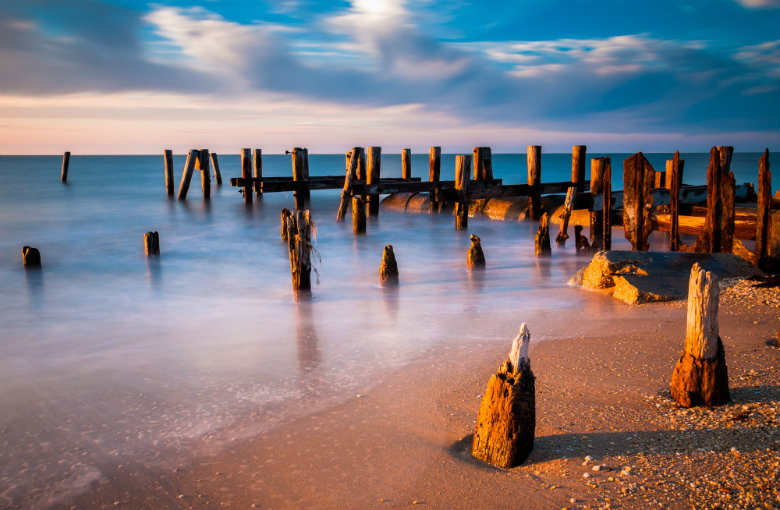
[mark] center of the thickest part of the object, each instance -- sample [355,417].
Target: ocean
[109,357]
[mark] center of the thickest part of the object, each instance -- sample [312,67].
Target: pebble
[586,475]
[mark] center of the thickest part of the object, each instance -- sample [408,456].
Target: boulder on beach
[641,277]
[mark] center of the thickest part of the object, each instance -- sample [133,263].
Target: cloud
[759,4]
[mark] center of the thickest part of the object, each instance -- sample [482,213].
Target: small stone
[586,475]
[596,468]
[180,496]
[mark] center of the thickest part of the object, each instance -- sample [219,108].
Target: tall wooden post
[406,164]
[186,175]
[535,181]
[65,165]
[257,168]
[358,216]
[462,172]
[763,209]
[606,185]
[374,157]
[215,164]
[307,190]
[361,165]
[299,176]
[351,176]
[563,232]
[168,165]
[673,170]
[727,190]
[434,172]
[596,188]
[483,163]
[638,176]
[578,160]
[205,177]
[246,174]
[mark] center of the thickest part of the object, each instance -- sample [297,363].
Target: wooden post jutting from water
[351,176]
[388,270]
[31,257]
[542,240]
[728,187]
[475,257]
[65,165]
[700,375]
[434,173]
[186,175]
[483,163]
[606,187]
[360,174]
[578,160]
[358,216]
[299,239]
[462,173]
[298,168]
[596,188]
[406,164]
[674,168]
[718,234]
[763,210]
[215,165]
[374,158]
[506,424]
[246,174]
[638,176]
[257,170]
[168,166]
[568,205]
[535,181]
[284,215]
[205,177]
[307,190]
[151,244]
[659,179]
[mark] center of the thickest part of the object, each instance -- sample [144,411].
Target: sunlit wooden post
[168,166]
[535,181]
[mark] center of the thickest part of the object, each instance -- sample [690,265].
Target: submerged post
[462,171]
[406,164]
[542,241]
[151,244]
[299,238]
[31,257]
[578,159]
[596,188]
[205,178]
[606,184]
[535,181]
[65,165]
[246,174]
[374,157]
[168,166]
[186,175]
[763,210]
[351,176]
[568,205]
[358,216]
[475,258]
[215,164]
[504,434]
[388,270]
[434,172]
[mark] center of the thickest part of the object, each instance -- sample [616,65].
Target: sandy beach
[608,435]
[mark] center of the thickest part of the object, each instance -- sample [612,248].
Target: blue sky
[127,77]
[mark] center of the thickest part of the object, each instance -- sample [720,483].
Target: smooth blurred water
[107,356]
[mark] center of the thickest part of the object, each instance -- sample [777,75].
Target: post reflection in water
[34,280]
[390,297]
[154,272]
[309,355]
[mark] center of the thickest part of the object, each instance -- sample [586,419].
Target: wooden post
[763,209]
[581,242]
[506,424]
[361,165]
[483,163]
[246,174]
[374,157]
[606,185]
[475,258]
[205,177]
[358,216]
[700,375]
[298,163]
[596,188]
[307,190]
[257,169]
[727,189]
[406,164]
[462,172]
[215,164]
[346,193]
[563,232]
[659,179]
[388,270]
[535,181]
[31,257]
[673,171]
[152,244]
[668,175]
[578,160]
[434,172]
[638,176]
[168,166]
[542,241]
[186,175]
[299,230]
[284,215]
[65,165]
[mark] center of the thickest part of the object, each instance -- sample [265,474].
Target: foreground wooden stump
[504,435]
[31,257]
[152,243]
[701,375]
[475,258]
[388,271]
[542,242]
[299,238]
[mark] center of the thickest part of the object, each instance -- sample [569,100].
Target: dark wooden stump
[434,173]
[373,175]
[257,170]
[65,165]
[246,174]
[186,175]
[388,270]
[542,241]
[299,239]
[462,172]
[284,215]
[563,232]
[151,244]
[763,210]
[215,165]
[638,175]
[205,177]
[673,182]
[168,167]
[475,258]
[351,176]
[597,167]
[31,257]
[606,187]
[483,163]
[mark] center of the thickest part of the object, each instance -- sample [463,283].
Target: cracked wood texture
[388,270]
[763,209]
[542,241]
[638,176]
[475,258]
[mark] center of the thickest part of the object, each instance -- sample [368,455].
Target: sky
[137,77]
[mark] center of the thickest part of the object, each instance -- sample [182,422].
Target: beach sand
[600,396]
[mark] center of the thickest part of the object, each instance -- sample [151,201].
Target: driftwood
[31,257]
[504,434]
[284,215]
[434,174]
[388,270]
[638,176]
[186,175]
[462,171]
[475,258]
[351,177]
[358,216]
[65,165]
[542,241]
[300,229]
[168,167]
[700,375]
[578,159]
[763,210]
[534,156]
[568,205]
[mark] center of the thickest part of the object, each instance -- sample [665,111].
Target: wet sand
[406,442]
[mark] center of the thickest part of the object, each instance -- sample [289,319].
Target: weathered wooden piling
[168,167]
[506,424]
[374,159]
[483,163]
[215,166]
[718,234]
[763,210]
[578,160]
[659,179]
[186,175]
[674,170]
[475,257]
[284,215]
[638,176]
[606,186]
[581,242]
[406,164]
[542,240]
[300,227]
[534,156]
[361,165]
[298,167]
[351,176]
[434,173]
[596,188]
[246,174]
[65,165]
[257,170]
[358,216]
[151,244]
[462,172]
[31,257]
[700,375]
[388,270]
[568,205]
[205,177]
[727,191]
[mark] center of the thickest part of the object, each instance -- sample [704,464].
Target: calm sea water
[108,357]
